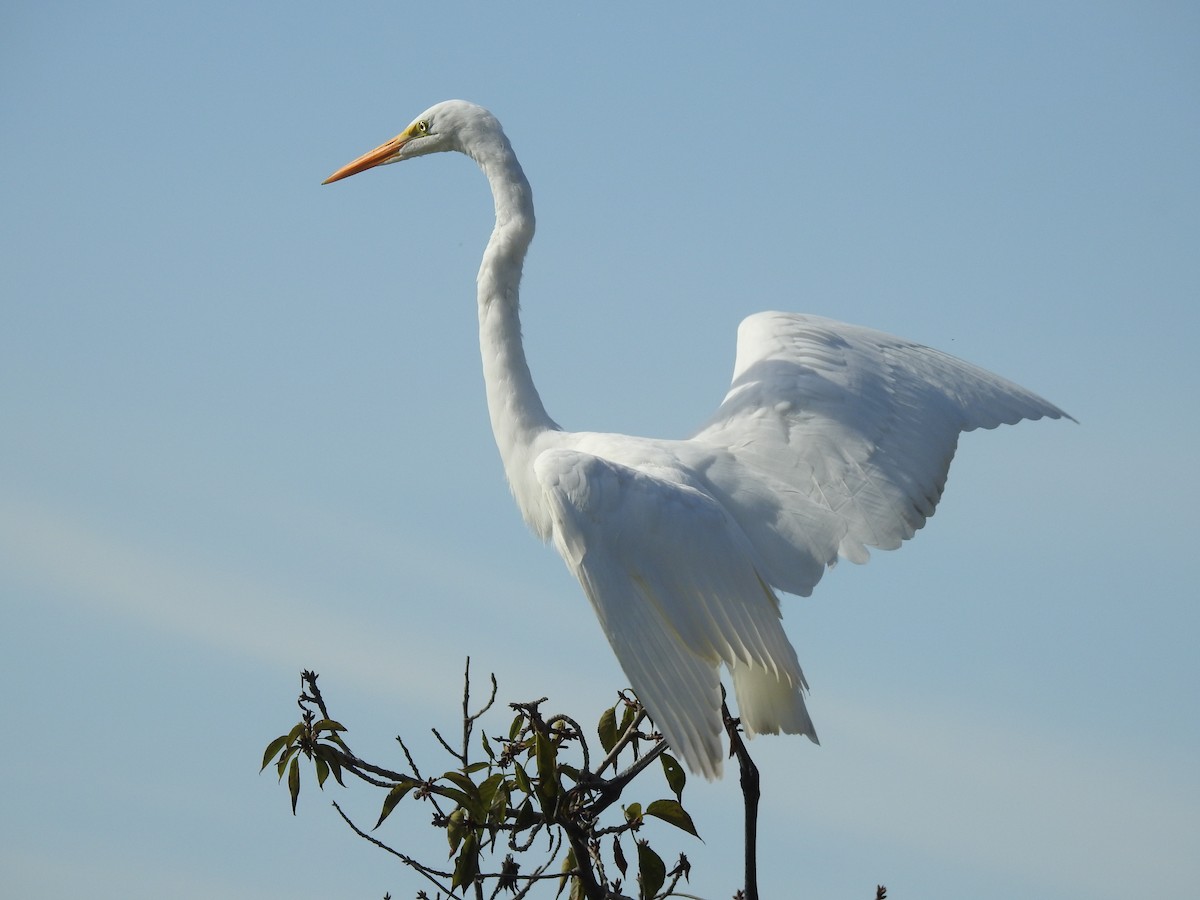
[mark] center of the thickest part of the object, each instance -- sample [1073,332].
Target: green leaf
[487,748]
[498,802]
[491,793]
[633,812]
[294,781]
[322,772]
[607,729]
[395,795]
[567,866]
[337,771]
[328,725]
[515,728]
[547,753]
[466,867]
[671,811]
[456,828]
[462,781]
[459,797]
[326,753]
[626,720]
[336,738]
[289,751]
[467,797]
[651,871]
[272,748]
[676,777]
[522,778]
[619,856]
[476,767]
[570,772]
[524,817]
[547,785]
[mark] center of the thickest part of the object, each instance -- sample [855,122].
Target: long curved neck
[516,410]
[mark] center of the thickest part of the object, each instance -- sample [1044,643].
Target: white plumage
[833,438]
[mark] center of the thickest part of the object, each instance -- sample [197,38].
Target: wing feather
[833,438]
[674,584]
[859,422]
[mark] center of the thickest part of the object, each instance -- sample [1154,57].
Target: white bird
[833,438]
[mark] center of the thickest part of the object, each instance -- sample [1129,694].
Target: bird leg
[750,795]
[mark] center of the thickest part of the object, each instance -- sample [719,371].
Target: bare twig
[404,858]
[583,744]
[469,718]
[408,756]
[682,869]
[447,747]
[539,874]
[308,679]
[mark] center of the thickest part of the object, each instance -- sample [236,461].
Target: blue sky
[244,429]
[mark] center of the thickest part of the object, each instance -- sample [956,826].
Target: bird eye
[423,127]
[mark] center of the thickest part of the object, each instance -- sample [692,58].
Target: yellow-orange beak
[379,155]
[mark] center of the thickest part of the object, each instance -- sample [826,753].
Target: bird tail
[768,703]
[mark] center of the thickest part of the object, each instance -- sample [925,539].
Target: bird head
[449,125]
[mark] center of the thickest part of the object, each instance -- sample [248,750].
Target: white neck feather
[518,416]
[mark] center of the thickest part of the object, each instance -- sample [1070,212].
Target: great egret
[832,438]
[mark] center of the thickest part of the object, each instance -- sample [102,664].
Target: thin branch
[448,748]
[615,829]
[491,699]
[362,776]
[407,860]
[354,764]
[412,764]
[539,874]
[469,718]
[407,755]
[530,707]
[583,744]
[610,791]
[308,679]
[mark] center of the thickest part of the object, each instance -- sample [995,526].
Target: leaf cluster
[529,794]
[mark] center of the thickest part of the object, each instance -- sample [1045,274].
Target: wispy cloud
[53,550]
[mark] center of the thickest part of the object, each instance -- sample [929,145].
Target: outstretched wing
[674,583]
[860,423]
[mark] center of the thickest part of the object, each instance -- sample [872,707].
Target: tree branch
[750,796]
